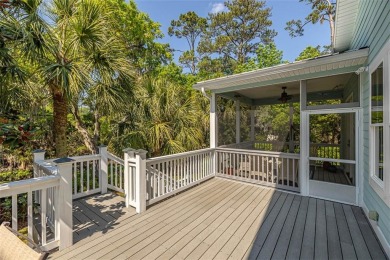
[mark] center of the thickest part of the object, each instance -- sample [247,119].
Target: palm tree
[73,48]
[163,118]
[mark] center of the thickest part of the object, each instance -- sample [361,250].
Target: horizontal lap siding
[373,31]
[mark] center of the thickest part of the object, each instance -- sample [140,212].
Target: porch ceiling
[273,78]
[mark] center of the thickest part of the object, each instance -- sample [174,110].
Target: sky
[164,11]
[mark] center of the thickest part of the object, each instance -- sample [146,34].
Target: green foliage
[266,56]
[14,175]
[189,26]
[139,34]
[309,52]
[163,118]
[322,10]
[237,32]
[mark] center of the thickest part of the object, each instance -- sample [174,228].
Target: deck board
[221,219]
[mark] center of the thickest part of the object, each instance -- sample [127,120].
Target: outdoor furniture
[12,247]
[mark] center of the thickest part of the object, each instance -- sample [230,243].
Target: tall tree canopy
[322,11]
[237,32]
[266,56]
[72,45]
[191,27]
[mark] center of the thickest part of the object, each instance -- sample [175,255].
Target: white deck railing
[273,169]
[143,181]
[29,188]
[171,174]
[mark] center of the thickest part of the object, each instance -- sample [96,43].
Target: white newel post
[128,153]
[38,155]
[65,203]
[103,169]
[238,123]
[140,183]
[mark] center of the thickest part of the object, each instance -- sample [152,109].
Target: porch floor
[222,219]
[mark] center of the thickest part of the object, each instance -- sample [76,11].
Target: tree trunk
[60,121]
[88,141]
[96,131]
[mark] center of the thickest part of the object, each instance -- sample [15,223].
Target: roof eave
[238,79]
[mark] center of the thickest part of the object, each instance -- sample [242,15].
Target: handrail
[257,152]
[115,158]
[23,186]
[177,155]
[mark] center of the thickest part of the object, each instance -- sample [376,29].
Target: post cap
[39,151]
[140,151]
[102,146]
[126,150]
[63,160]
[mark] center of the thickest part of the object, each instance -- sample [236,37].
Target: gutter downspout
[205,94]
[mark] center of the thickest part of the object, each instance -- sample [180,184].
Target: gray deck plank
[175,244]
[346,243]
[239,233]
[224,231]
[245,243]
[154,212]
[372,243]
[321,241]
[253,252]
[308,242]
[194,227]
[223,219]
[281,247]
[334,248]
[357,237]
[295,245]
[272,238]
[137,233]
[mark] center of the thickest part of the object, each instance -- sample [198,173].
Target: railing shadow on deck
[98,214]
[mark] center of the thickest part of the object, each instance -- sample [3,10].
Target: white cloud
[217,8]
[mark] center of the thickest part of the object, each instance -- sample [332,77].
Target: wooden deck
[222,219]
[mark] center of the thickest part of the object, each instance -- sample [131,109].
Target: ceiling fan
[284,97]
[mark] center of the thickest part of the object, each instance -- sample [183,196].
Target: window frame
[381,187]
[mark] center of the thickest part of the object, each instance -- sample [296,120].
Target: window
[379,112]
[377,121]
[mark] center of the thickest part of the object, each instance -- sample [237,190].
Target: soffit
[345,24]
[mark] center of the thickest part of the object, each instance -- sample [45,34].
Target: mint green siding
[373,31]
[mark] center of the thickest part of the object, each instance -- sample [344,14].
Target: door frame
[305,146]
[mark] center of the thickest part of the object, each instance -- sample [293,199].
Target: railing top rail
[115,158]
[47,166]
[178,155]
[86,157]
[23,186]
[259,152]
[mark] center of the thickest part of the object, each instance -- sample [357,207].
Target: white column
[304,144]
[213,122]
[140,183]
[238,124]
[126,158]
[65,203]
[252,113]
[103,178]
[38,155]
[291,142]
